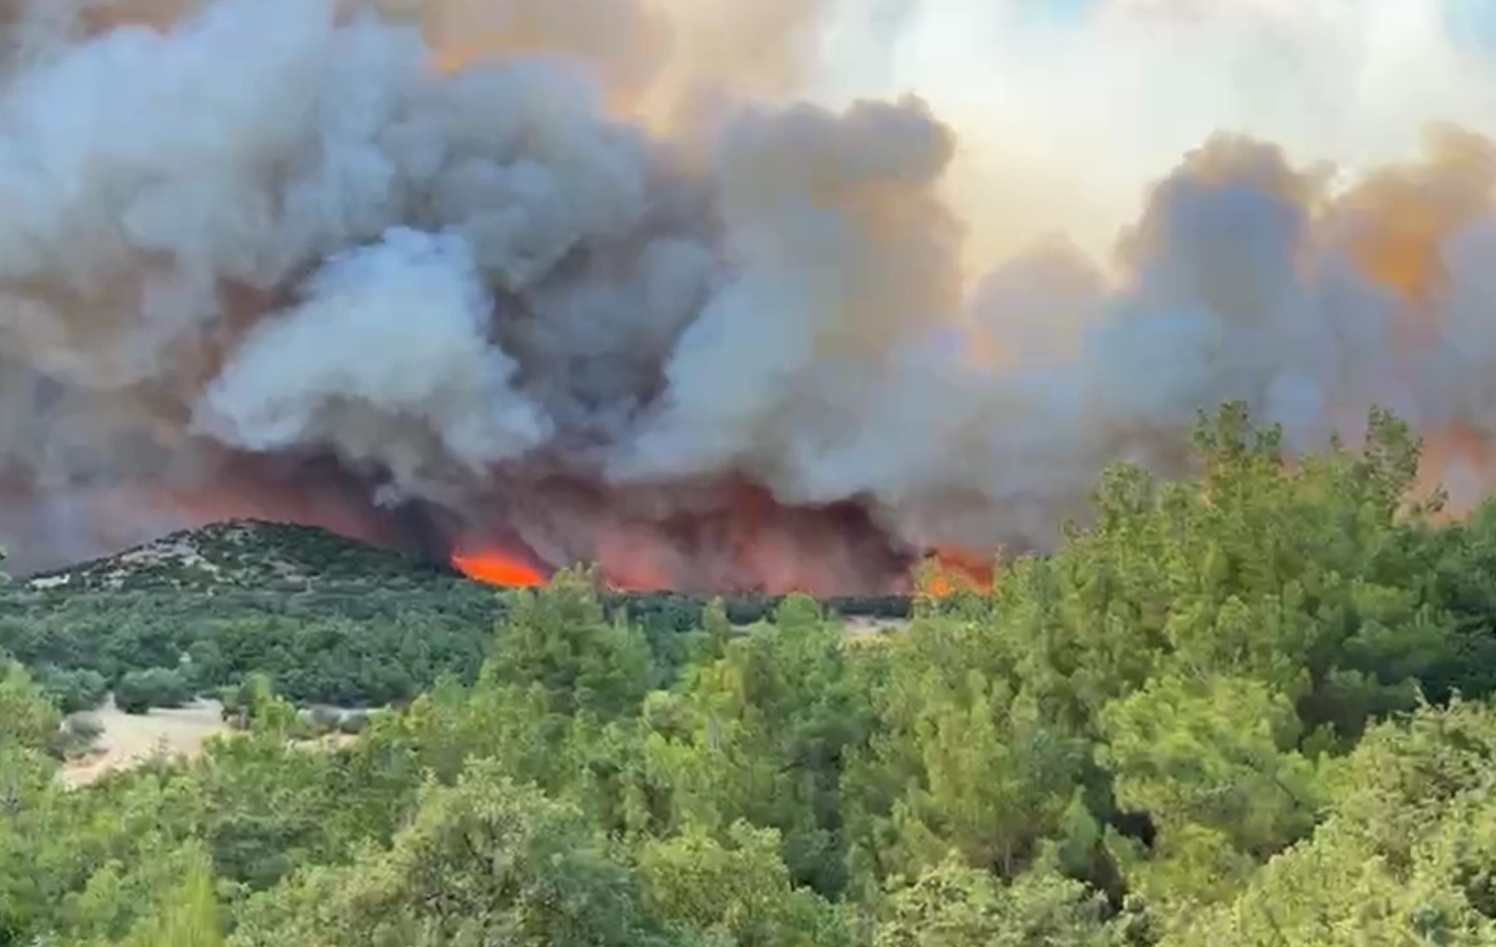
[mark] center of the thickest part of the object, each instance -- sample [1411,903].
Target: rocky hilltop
[243,554]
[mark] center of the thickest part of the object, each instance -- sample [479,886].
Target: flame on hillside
[531,283]
[497,568]
[942,573]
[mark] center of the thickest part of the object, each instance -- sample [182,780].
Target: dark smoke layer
[584,281]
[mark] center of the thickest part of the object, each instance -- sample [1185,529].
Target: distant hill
[255,561]
[329,619]
[240,554]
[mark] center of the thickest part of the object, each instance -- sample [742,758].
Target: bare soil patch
[860,626]
[130,739]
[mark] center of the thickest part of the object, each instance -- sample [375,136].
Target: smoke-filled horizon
[652,285]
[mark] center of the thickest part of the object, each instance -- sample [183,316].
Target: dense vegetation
[1251,709]
[328,620]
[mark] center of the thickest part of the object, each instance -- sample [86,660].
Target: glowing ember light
[939,586]
[496,568]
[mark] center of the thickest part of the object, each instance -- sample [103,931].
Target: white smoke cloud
[587,275]
[387,361]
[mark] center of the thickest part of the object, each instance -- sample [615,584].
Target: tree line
[1250,708]
[352,642]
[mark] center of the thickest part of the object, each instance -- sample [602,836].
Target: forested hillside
[329,620]
[1250,709]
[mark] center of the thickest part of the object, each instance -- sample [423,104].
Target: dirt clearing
[129,739]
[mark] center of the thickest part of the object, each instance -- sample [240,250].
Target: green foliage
[1214,767]
[951,905]
[562,643]
[1249,708]
[326,646]
[1405,855]
[759,734]
[73,691]
[485,861]
[27,718]
[80,733]
[138,691]
[242,553]
[188,913]
[358,626]
[739,891]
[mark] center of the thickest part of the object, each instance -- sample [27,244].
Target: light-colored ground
[856,627]
[191,555]
[129,739]
[860,626]
[157,553]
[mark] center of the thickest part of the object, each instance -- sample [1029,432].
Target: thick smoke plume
[638,283]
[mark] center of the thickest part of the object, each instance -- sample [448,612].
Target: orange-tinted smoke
[1395,223]
[1397,219]
[704,538]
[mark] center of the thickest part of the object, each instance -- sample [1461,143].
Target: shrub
[73,691]
[139,691]
[85,728]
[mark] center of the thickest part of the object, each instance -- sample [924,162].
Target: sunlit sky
[1066,109]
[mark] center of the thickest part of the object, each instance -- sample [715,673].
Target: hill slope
[246,554]
[328,619]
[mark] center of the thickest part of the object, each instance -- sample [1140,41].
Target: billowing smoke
[639,283]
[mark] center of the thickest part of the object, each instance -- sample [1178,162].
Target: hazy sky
[1067,109]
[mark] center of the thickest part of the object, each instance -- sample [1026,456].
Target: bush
[73,691]
[76,736]
[85,728]
[139,691]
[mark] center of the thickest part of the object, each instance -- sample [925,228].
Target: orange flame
[496,568]
[949,570]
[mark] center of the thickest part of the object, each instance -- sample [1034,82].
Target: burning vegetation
[571,285]
[498,568]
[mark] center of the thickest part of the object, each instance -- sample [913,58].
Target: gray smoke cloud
[585,277]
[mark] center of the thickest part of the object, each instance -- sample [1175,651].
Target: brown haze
[543,281]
